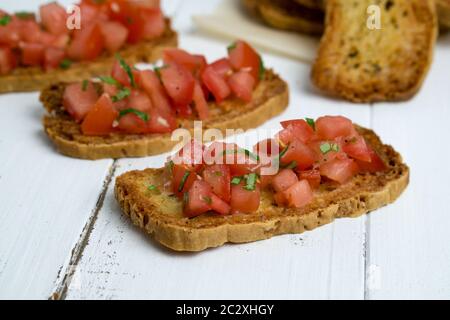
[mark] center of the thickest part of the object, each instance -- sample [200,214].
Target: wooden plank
[121,262]
[409,254]
[46,200]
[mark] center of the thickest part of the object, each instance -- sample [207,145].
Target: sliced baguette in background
[160,215]
[270,98]
[34,78]
[387,64]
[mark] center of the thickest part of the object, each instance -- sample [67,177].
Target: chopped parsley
[140,114]
[311,123]
[154,189]
[262,69]
[183,181]
[281,155]
[207,199]
[109,80]
[127,69]
[329,147]
[122,94]
[5,20]
[292,165]
[84,85]
[232,46]
[252,179]
[169,166]
[236,181]
[65,64]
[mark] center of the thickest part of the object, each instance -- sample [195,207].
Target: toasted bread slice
[34,78]
[368,65]
[314,4]
[443,9]
[287,15]
[270,98]
[160,215]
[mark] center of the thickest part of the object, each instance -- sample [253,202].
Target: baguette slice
[161,215]
[287,15]
[34,78]
[270,98]
[363,65]
[443,9]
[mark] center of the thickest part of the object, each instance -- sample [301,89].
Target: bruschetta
[34,53]
[324,169]
[132,113]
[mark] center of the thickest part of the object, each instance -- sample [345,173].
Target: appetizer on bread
[132,113]
[58,46]
[207,196]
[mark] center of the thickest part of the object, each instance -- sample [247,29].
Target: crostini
[34,53]
[132,113]
[325,169]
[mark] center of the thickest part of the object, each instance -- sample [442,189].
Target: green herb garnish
[169,166]
[311,123]
[5,20]
[262,69]
[84,85]
[183,181]
[24,15]
[236,181]
[328,147]
[232,46]
[154,189]
[127,69]
[122,94]
[218,173]
[281,155]
[142,115]
[109,80]
[65,64]
[252,179]
[158,71]
[244,151]
[207,199]
[292,165]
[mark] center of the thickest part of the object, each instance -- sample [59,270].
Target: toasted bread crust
[161,215]
[287,15]
[34,79]
[443,9]
[270,98]
[363,65]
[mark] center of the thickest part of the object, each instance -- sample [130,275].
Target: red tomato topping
[244,201]
[329,128]
[299,194]
[191,156]
[356,147]
[53,57]
[220,206]
[54,18]
[114,35]
[339,170]
[183,179]
[243,57]
[200,102]
[296,129]
[179,84]
[222,67]
[99,120]
[199,199]
[242,85]
[219,178]
[376,164]
[87,43]
[284,180]
[312,176]
[298,154]
[32,54]
[216,84]
[194,63]
[78,101]
[7,60]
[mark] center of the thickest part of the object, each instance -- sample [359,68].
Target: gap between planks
[64,279]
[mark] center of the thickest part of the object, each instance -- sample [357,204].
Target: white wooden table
[61,230]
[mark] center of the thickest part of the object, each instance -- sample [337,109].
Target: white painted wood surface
[53,213]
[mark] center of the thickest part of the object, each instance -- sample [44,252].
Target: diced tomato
[266,181]
[54,18]
[32,54]
[79,102]
[140,101]
[194,63]
[220,206]
[376,164]
[199,199]
[53,57]
[244,201]
[219,178]
[200,103]
[154,23]
[329,127]
[357,148]
[284,180]
[30,31]
[119,73]
[191,155]
[132,123]
[179,84]
[243,57]
[267,147]
[160,121]
[99,120]
[10,35]
[299,153]
[216,84]
[242,85]
[222,67]
[180,174]
[312,176]
[339,170]
[299,194]
[7,60]
[91,11]
[296,129]
[114,35]
[87,43]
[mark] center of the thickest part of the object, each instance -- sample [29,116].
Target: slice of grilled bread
[443,9]
[270,98]
[34,78]
[367,65]
[314,4]
[287,15]
[160,215]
